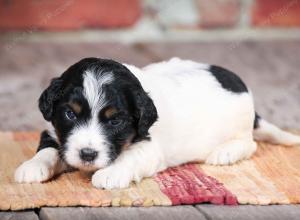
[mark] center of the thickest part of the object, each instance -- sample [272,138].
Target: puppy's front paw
[33,171]
[111,178]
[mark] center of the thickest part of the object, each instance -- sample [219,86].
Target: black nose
[88,154]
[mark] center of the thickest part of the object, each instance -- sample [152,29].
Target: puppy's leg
[44,165]
[232,151]
[142,160]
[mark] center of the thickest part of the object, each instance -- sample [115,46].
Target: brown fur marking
[110,111]
[75,107]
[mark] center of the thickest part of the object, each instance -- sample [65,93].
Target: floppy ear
[49,96]
[145,113]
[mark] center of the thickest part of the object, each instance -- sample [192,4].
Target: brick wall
[211,14]
[68,14]
[276,13]
[199,14]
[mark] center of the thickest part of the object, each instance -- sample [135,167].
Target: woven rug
[271,176]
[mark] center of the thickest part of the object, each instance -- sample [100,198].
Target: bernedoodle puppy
[125,123]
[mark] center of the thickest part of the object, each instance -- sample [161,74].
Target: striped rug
[271,176]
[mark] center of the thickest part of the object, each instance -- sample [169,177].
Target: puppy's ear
[49,96]
[145,113]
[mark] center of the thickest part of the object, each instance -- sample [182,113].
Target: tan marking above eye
[110,112]
[77,108]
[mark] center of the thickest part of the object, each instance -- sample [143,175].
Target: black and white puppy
[126,123]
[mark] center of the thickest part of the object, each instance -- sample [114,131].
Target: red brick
[276,13]
[67,14]
[218,13]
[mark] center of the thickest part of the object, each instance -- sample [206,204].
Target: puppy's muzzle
[88,154]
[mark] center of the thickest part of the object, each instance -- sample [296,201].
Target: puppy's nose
[88,154]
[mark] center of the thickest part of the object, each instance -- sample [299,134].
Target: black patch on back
[229,80]
[256,121]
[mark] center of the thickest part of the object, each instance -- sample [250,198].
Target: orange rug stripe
[282,166]
[271,176]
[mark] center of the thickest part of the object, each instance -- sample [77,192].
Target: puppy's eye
[115,122]
[70,115]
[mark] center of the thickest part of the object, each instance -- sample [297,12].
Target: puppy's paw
[223,157]
[111,178]
[231,152]
[33,171]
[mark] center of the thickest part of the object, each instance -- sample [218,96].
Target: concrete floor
[271,69]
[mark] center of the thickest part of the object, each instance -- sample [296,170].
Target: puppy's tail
[265,131]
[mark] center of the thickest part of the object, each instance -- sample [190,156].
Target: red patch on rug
[188,184]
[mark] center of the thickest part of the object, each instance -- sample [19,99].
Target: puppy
[126,123]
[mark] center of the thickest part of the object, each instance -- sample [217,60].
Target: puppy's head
[98,108]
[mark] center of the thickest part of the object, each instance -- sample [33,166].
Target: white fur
[44,165]
[92,85]
[269,132]
[142,160]
[90,134]
[196,115]
[198,121]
